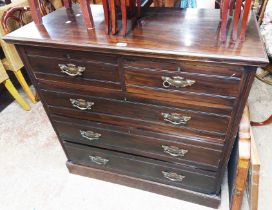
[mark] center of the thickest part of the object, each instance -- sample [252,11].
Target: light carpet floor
[33,175]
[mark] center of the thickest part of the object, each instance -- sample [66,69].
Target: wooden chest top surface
[190,34]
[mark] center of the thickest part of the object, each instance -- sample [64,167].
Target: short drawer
[183,100]
[182,83]
[120,139]
[81,72]
[170,118]
[71,54]
[166,173]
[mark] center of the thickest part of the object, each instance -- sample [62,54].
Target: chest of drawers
[157,110]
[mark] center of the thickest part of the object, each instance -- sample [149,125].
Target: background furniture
[244,167]
[84,5]
[12,60]
[253,174]
[159,112]
[239,163]
[10,87]
[265,21]
[266,122]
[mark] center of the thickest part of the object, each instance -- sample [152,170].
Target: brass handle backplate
[177,81]
[81,104]
[90,135]
[175,118]
[174,151]
[98,160]
[71,69]
[173,176]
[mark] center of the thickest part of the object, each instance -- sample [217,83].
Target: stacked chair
[237,10]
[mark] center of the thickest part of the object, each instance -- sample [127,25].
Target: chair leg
[25,86]
[87,13]
[138,8]
[67,3]
[124,17]
[244,20]
[106,16]
[113,17]
[35,12]
[224,16]
[236,18]
[232,6]
[12,90]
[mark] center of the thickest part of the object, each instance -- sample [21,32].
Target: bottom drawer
[159,171]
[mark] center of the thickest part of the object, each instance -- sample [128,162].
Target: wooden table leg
[35,11]
[236,18]
[106,15]
[244,20]
[87,14]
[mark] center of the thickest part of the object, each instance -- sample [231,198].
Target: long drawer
[171,118]
[137,124]
[119,139]
[162,172]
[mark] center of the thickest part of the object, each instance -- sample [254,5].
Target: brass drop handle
[71,69]
[173,176]
[174,151]
[177,81]
[90,135]
[98,160]
[175,118]
[81,104]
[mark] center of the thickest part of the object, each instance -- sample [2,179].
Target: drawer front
[139,125]
[203,102]
[183,83]
[118,139]
[71,54]
[105,76]
[169,117]
[187,67]
[136,166]
[81,72]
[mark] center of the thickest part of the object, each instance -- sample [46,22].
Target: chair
[131,7]
[12,90]
[84,5]
[240,10]
[10,21]
[239,163]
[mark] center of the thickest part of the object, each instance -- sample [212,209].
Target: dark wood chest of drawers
[157,110]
